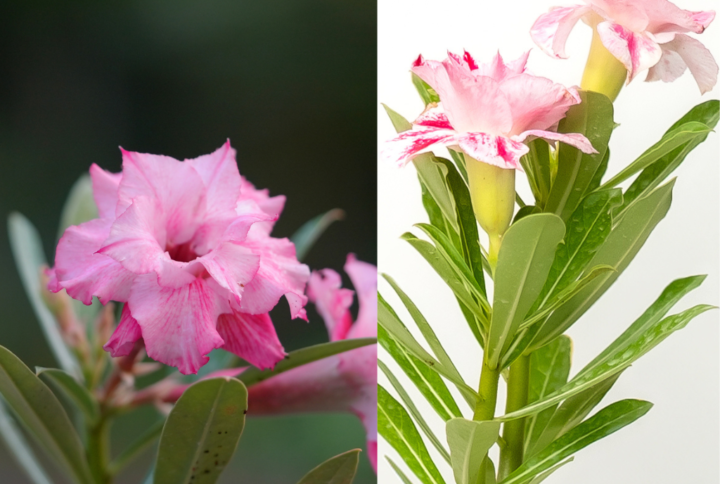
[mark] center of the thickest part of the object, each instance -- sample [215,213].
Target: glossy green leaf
[78,394]
[536,164]
[427,93]
[340,469]
[433,175]
[524,261]
[541,477]
[647,341]
[389,321]
[605,422]
[425,329]
[30,259]
[599,173]
[399,471]
[469,443]
[549,371]
[593,117]
[414,412]
[306,236]
[134,450]
[202,432]
[618,250]
[42,415]
[570,413]
[458,158]
[686,133]
[20,449]
[396,427]
[304,356]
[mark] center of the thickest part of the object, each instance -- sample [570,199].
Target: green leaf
[425,329]
[78,394]
[399,471]
[686,133]
[304,356]
[597,180]
[19,448]
[549,370]
[136,448]
[432,173]
[571,412]
[458,158]
[399,122]
[426,92]
[593,117]
[427,381]
[202,432]
[396,427]
[618,250]
[541,477]
[79,206]
[605,422]
[30,259]
[42,415]
[340,469]
[388,320]
[306,236]
[651,338]
[536,164]
[469,443]
[524,261]
[416,415]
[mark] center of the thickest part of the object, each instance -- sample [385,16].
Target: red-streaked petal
[126,334]
[573,139]
[82,272]
[364,278]
[178,324]
[408,144]
[637,51]
[493,150]
[684,51]
[331,302]
[105,190]
[551,30]
[433,117]
[251,337]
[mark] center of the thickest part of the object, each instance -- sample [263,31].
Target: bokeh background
[292,83]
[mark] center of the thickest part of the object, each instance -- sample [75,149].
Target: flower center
[182,253]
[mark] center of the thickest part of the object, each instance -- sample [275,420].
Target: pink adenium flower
[642,34]
[187,247]
[487,110]
[344,382]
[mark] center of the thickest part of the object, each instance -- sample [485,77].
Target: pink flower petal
[232,266]
[127,333]
[666,17]
[272,206]
[251,337]
[637,51]
[573,139]
[220,175]
[82,272]
[332,302]
[105,190]
[551,30]
[684,51]
[364,278]
[493,150]
[633,15]
[178,324]
[433,117]
[408,144]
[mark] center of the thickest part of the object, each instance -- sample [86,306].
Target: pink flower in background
[187,247]
[344,382]
[487,110]
[643,34]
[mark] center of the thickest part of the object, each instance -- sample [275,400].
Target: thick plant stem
[603,72]
[511,455]
[98,450]
[487,393]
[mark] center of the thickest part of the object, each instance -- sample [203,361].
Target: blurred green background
[290,82]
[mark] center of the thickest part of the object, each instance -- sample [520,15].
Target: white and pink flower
[486,110]
[187,247]
[642,34]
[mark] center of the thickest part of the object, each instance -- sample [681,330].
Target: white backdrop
[677,441]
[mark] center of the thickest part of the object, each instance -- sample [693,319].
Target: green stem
[487,393]
[511,455]
[98,450]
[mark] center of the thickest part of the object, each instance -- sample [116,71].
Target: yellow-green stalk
[603,72]
[492,190]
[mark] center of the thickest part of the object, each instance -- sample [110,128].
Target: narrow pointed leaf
[42,415]
[30,259]
[399,122]
[304,356]
[524,261]
[541,477]
[306,236]
[144,442]
[20,449]
[340,469]
[396,427]
[399,471]
[605,422]
[427,93]
[469,443]
[202,432]
[536,164]
[78,394]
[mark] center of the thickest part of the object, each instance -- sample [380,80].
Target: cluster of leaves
[558,257]
[67,412]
